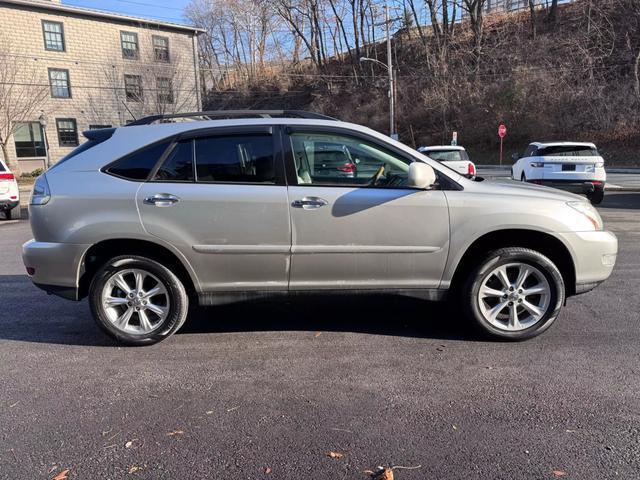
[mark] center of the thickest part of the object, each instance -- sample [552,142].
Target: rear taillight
[347,168]
[596,183]
[7,176]
[471,169]
[41,193]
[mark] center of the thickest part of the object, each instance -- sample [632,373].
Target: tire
[8,214]
[523,177]
[597,196]
[544,276]
[130,318]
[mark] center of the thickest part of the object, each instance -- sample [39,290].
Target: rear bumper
[594,256]
[54,267]
[8,204]
[573,186]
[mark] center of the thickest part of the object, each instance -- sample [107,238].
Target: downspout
[195,70]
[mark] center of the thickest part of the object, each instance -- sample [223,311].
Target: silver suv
[152,217]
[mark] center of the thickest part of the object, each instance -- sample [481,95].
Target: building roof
[48,5]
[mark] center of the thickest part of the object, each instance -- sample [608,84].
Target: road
[265,391]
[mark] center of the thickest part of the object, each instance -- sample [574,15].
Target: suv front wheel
[137,301]
[514,294]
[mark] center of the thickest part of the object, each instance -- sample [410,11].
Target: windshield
[567,151]
[448,155]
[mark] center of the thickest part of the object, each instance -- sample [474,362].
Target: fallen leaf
[267,470]
[62,475]
[559,473]
[175,433]
[233,408]
[455,428]
[570,431]
[381,474]
[135,469]
[129,444]
[209,412]
[317,334]
[335,454]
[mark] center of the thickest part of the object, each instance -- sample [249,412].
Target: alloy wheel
[135,301]
[514,297]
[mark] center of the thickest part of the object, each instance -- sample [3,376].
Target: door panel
[236,237]
[368,238]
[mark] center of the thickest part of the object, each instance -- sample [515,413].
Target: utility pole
[392,89]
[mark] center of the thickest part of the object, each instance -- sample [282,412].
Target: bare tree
[23,91]
[476,18]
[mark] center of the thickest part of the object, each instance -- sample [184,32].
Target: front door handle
[309,203]
[161,200]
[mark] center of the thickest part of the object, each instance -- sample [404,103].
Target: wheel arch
[101,252]
[545,243]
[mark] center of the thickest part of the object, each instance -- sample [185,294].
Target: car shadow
[31,315]
[372,314]
[623,201]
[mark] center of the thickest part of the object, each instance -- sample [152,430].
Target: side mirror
[421,176]
[516,156]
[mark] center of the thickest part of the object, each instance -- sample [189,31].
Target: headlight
[588,210]
[537,164]
[41,193]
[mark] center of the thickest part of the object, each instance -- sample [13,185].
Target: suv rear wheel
[138,301]
[514,294]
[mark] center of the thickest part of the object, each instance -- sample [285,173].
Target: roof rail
[220,114]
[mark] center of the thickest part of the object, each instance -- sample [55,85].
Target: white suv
[572,166]
[9,193]
[453,156]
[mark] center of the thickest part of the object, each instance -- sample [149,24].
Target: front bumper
[8,204]
[594,257]
[54,267]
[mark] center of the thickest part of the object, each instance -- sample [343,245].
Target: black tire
[597,196]
[178,307]
[470,292]
[523,177]
[8,214]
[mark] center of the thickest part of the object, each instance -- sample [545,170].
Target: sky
[166,10]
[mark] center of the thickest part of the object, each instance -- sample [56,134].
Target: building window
[165,90]
[59,81]
[161,48]
[67,132]
[129,43]
[29,140]
[53,33]
[133,88]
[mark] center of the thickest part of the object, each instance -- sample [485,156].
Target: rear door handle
[309,203]
[161,200]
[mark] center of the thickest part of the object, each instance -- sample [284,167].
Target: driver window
[325,159]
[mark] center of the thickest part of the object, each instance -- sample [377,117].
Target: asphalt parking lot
[267,390]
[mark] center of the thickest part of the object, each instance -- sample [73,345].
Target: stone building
[91,69]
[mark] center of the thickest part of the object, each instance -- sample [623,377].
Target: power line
[132,2]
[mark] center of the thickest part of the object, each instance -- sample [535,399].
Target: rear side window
[178,166]
[235,158]
[2,169]
[138,165]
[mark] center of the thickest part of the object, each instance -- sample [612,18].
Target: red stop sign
[502,131]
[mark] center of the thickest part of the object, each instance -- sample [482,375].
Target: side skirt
[224,298]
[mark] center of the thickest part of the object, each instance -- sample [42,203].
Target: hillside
[573,79]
